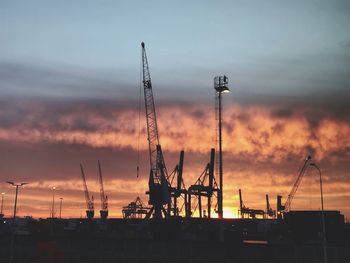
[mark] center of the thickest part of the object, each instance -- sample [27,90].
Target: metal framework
[104,198]
[205,186]
[179,190]
[247,212]
[220,86]
[288,204]
[135,210]
[158,184]
[89,201]
[269,211]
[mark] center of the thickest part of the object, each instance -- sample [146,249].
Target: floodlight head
[12,183]
[221,84]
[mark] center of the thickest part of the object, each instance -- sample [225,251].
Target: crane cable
[139,135]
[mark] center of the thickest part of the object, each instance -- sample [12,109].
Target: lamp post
[16,185]
[53,202]
[322,216]
[61,207]
[2,204]
[221,86]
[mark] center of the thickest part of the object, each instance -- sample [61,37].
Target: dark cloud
[282,112]
[25,80]
[329,91]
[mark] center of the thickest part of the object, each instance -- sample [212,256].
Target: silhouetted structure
[104,198]
[205,186]
[158,184]
[220,86]
[288,204]
[135,210]
[269,211]
[89,201]
[179,190]
[247,212]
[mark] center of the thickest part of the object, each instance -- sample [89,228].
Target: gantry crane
[89,201]
[205,186]
[287,206]
[158,184]
[135,210]
[104,198]
[269,211]
[179,190]
[247,212]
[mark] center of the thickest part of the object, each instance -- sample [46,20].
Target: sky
[70,84]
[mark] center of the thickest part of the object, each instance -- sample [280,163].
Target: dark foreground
[174,240]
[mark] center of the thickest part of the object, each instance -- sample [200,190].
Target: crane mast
[89,202]
[104,199]
[158,182]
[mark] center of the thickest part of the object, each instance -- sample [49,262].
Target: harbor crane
[104,198]
[269,211]
[159,195]
[247,212]
[205,186]
[89,201]
[287,206]
[135,210]
[179,190]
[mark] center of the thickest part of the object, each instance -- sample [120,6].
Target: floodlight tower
[220,86]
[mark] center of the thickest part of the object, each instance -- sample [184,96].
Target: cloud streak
[43,142]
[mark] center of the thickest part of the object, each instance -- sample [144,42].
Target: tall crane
[104,198]
[205,186]
[179,190]
[158,183]
[287,205]
[89,201]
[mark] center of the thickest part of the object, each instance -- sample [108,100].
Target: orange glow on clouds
[257,134]
[252,134]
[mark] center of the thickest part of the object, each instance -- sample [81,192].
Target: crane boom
[158,179]
[104,204]
[287,205]
[151,118]
[89,202]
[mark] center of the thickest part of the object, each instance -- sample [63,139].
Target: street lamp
[2,204]
[322,212]
[221,86]
[53,202]
[16,185]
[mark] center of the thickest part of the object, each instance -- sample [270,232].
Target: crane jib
[158,184]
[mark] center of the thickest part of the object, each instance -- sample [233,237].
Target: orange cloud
[263,152]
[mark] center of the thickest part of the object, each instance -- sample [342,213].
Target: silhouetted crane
[135,210]
[104,198]
[247,212]
[205,186]
[89,202]
[158,192]
[179,190]
[269,211]
[288,204]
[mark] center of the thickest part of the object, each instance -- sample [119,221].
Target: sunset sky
[69,94]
